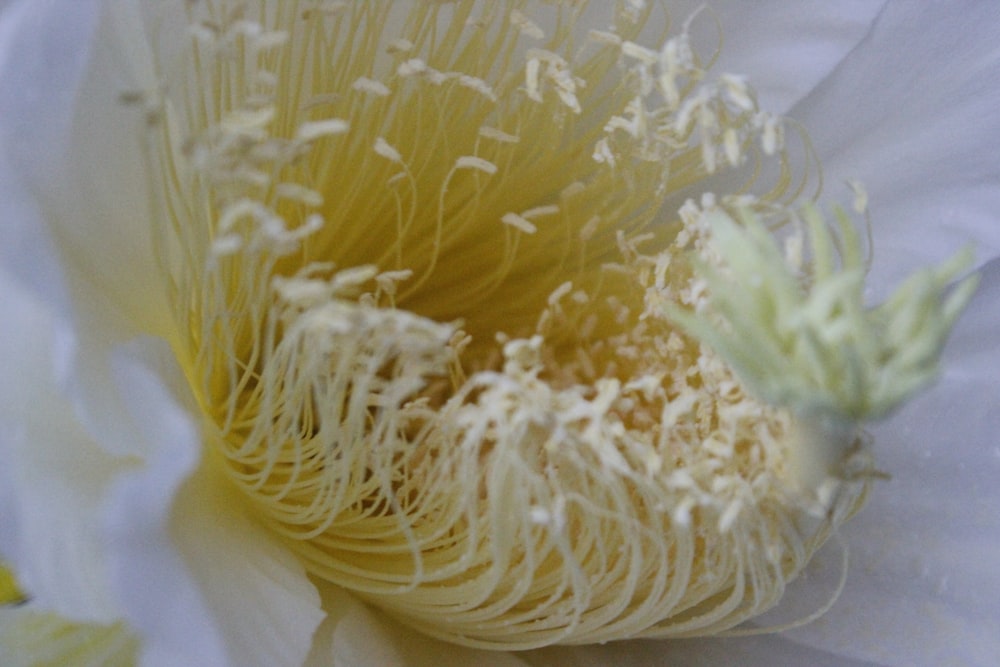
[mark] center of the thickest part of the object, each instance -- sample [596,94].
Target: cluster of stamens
[463,339]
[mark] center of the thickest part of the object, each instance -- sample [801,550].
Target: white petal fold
[98,537]
[257,593]
[54,474]
[160,599]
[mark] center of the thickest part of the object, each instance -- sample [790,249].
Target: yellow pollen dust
[427,262]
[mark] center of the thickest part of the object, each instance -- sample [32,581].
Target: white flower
[128,541]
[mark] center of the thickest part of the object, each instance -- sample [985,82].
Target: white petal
[64,66]
[354,635]
[784,48]
[266,607]
[175,569]
[42,58]
[912,114]
[199,580]
[27,251]
[54,474]
[156,590]
[76,224]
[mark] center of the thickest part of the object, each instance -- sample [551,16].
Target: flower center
[430,307]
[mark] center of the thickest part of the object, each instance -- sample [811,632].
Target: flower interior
[451,291]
